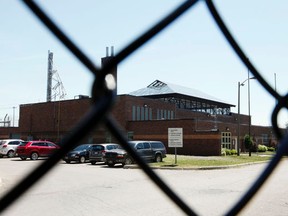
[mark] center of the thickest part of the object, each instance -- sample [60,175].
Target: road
[84,189]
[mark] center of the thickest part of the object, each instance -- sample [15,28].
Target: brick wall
[194,142]
[202,132]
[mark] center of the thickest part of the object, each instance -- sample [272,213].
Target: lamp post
[275,86]
[239,85]
[238,137]
[13,116]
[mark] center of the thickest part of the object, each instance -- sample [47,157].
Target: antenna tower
[55,87]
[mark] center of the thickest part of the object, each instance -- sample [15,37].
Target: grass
[210,161]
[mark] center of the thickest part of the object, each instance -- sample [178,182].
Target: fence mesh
[104,95]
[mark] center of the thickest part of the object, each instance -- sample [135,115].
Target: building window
[150,113]
[142,113]
[133,113]
[146,110]
[265,139]
[130,135]
[138,113]
[163,114]
[226,140]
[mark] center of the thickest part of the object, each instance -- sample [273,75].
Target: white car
[8,147]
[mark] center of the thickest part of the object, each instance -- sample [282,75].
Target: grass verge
[210,161]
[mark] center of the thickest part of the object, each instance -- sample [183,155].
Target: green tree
[248,143]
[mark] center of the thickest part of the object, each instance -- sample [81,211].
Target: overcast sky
[192,52]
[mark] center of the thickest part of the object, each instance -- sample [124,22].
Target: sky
[192,52]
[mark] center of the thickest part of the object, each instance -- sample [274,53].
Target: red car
[36,149]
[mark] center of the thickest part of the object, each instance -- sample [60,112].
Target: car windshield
[81,147]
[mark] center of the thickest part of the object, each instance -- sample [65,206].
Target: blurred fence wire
[104,95]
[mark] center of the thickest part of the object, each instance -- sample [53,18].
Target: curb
[135,166]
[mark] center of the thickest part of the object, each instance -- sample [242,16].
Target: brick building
[146,114]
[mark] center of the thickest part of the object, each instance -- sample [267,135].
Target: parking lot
[85,189]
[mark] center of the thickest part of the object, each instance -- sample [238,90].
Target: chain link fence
[104,95]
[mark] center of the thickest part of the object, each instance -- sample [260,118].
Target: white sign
[175,137]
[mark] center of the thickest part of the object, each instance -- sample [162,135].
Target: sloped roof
[160,88]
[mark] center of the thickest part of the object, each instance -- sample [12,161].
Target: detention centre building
[146,114]
[207,123]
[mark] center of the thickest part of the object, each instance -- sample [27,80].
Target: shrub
[262,148]
[225,152]
[228,152]
[272,149]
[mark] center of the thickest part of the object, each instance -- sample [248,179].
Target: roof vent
[157,84]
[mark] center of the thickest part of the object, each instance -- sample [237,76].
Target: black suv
[79,154]
[148,150]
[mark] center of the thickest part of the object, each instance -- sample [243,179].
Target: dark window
[110,147]
[140,146]
[133,113]
[142,113]
[130,135]
[157,145]
[150,113]
[14,143]
[146,145]
[39,144]
[138,112]
[98,148]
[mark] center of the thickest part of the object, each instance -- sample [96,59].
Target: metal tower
[49,77]
[55,86]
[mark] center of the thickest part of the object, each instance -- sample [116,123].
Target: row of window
[226,140]
[146,113]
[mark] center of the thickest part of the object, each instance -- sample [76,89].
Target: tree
[248,143]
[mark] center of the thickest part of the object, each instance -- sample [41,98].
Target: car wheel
[128,161]
[34,156]
[82,159]
[68,161]
[111,165]
[10,154]
[93,162]
[158,158]
[23,158]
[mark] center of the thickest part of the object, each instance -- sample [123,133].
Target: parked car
[148,150]
[97,151]
[79,154]
[8,147]
[36,149]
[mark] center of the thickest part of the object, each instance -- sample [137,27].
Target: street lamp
[239,85]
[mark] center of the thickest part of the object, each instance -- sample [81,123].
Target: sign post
[175,139]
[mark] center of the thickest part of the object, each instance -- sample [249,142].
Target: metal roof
[162,88]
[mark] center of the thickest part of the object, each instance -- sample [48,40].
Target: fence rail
[104,95]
